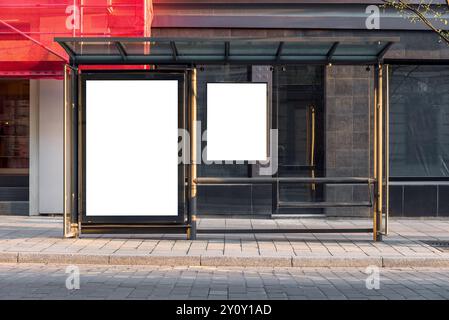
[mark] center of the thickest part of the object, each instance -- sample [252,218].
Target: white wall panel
[50,150]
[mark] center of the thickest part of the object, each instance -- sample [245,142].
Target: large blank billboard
[237,122]
[131,148]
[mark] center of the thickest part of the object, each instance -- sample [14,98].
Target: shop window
[14,126]
[419,121]
[221,199]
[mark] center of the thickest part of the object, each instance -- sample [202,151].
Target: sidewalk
[39,240]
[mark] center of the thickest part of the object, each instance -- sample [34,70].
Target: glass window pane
[218,73]
[253,48]
[305,49]
[203,48]
[158,48]
[359,49]
[14,126]
[419,121]
[94,48]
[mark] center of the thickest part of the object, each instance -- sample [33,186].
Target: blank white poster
[236,122]
[131,147]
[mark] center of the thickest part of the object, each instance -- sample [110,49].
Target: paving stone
[40,241]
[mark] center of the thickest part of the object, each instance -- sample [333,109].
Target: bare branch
[401,5]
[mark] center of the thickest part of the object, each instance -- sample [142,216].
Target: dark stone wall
[348,112]
[275,14]
[349,100]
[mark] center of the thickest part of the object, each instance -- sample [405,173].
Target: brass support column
[375,152]
[378,154]
[193,155]
[387,148]
[66,162]
[70,228]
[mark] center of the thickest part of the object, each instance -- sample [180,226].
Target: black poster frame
[181,77]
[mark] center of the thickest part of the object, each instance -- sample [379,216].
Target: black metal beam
[383,51]
[268,180]
[331,52]
[69,50]
[121,49]
[431,62]
[279,50]
[173,229]
[133,229]
[252,231]
[168,60]
[74,150]
[310,40]
[227,50]
[174,50]
[289,204]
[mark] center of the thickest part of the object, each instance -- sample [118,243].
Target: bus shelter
[100,195]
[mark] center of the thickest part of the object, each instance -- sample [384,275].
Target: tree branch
[421,17]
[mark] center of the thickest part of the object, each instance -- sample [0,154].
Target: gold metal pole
[66,208]
[67,161]
[387,148]
[193,156]
[376,89]
[379,155]
[312,145]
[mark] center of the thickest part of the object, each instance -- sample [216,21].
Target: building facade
[322,111]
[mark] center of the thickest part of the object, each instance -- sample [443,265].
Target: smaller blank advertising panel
[237,122]
[131,148]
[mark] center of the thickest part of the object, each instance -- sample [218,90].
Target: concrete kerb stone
[155,260]
[415,262]
[9,257]
[335,262]
[27,257]
[224,260]
[245,261]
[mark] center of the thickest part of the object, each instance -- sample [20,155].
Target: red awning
[28,27]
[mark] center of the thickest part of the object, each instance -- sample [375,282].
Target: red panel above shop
[28,29]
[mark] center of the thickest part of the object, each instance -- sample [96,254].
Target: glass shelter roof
[176,51]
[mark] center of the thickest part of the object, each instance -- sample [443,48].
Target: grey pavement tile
[409,279]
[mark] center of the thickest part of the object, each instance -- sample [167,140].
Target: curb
[8,257]
[224,261]
[154,260]
[245,261]
[58,258]
[418,262]
[336,262]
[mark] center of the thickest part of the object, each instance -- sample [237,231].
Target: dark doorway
[299,116]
